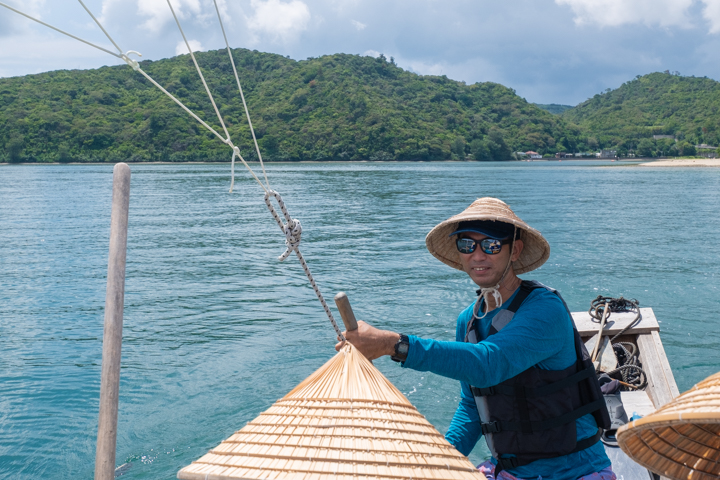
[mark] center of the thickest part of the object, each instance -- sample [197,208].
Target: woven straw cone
[535,252]
[681,440]
[346,421]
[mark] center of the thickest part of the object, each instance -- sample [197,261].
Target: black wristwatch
[401,349]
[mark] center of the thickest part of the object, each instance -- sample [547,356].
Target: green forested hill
[687,108]
[337,107]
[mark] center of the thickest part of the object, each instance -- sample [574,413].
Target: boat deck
[661,387]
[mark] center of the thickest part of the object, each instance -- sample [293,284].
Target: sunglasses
[491,246]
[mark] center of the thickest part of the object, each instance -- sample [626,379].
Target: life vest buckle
[490,427]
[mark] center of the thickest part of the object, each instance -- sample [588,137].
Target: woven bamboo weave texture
[346,421]
[681,440]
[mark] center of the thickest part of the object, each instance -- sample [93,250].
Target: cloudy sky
[549,51]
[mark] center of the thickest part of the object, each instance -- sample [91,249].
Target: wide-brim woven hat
[681,440]
[536,249]
[346,421]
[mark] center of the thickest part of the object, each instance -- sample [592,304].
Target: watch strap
[401,349]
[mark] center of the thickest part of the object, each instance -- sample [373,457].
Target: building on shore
[607,154]
[707,151]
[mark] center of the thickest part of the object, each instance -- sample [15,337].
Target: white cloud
[613,13]
[711,13]
[11,22]
[359,25]
[281,21]
[159,13]
[371,53]
[424,68]
[181,48]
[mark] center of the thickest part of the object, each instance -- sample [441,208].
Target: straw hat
[681,440]
[346,421]
[535,252]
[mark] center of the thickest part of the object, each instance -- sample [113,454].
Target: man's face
[485,270]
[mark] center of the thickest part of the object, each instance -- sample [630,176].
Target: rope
[242,96]
[628,367]
[615,305]
[100,25]
[60,31]
[293,231]
[202,77]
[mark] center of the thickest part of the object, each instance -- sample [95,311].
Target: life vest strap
[539,426]
[538,391]
[513,462]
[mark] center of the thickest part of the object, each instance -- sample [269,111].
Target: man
[526,382]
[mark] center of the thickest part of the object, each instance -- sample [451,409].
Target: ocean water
[216,329]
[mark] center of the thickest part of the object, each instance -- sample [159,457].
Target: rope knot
[292,228]
[293,234]
[133,63]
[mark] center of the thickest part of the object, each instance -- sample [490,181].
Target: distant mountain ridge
[336,107]
[627,118]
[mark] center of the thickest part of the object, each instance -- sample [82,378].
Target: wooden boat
[661,387]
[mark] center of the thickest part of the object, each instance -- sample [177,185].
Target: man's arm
[537,332]
[464,431]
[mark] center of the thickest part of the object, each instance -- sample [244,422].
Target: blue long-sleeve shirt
[540,334]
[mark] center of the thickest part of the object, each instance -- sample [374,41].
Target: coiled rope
[292,229]
[628,368]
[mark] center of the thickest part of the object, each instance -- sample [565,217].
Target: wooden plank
[637,402]
[658,385]
[617,321]
[665,364]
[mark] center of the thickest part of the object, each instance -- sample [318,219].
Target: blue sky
[549,51]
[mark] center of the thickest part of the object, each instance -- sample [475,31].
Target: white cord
[202,77]
[61,31]
[292,229]
[237,78]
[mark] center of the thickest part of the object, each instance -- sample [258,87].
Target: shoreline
[623,160]
[684,162]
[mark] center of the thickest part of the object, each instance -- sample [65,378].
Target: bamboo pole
[112,335]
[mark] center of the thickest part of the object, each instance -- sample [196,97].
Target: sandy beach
[684,162]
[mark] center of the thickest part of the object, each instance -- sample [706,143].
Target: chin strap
[494,291]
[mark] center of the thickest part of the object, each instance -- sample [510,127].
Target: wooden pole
[112,335]
[346,311]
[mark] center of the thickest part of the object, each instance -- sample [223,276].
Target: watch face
[403,348]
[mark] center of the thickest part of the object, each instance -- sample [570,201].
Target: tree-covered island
[336,107]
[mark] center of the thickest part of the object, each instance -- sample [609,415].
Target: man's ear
[519,245]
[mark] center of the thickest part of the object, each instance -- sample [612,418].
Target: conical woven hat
[535,252]
[345,421]
[681,440]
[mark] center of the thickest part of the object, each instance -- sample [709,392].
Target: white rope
[293,231]
[101,27]
[60,31]
[242,95]
[202,77]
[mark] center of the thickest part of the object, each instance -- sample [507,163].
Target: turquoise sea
[216,329]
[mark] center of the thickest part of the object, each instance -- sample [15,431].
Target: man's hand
[372,342]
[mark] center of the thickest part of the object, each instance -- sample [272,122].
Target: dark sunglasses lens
[465,245]
[491,246]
